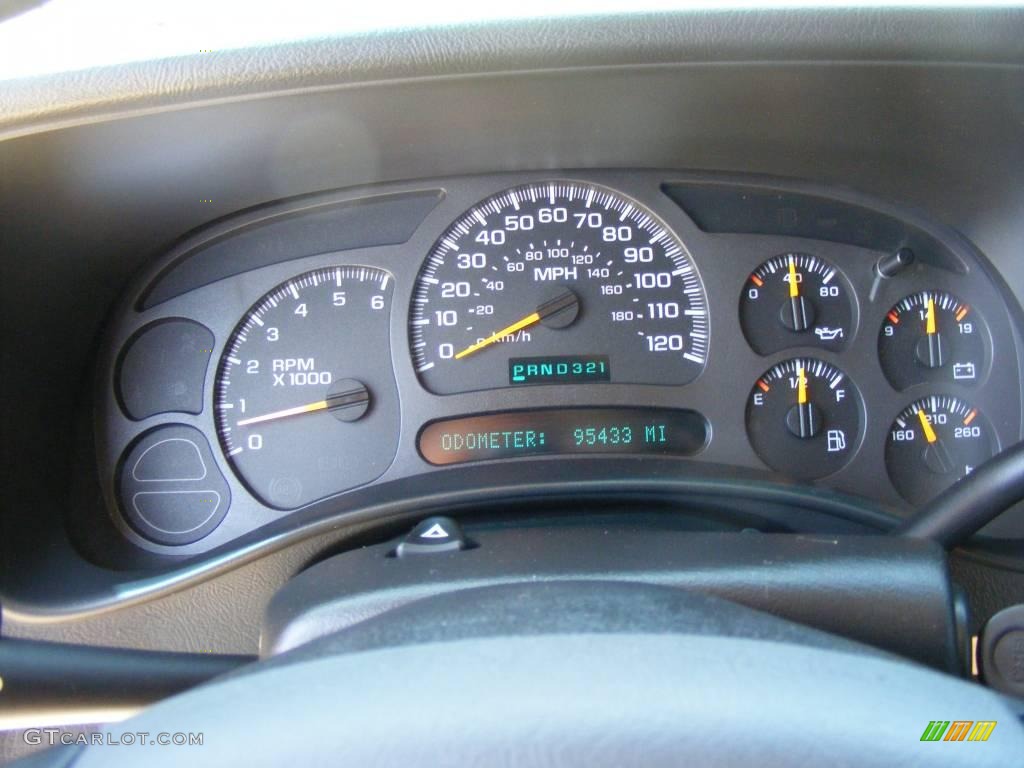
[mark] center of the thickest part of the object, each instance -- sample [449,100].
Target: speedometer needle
[561,310]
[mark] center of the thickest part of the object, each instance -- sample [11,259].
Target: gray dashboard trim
[974,35]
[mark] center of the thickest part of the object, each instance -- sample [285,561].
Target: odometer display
[563,431]
[551,270]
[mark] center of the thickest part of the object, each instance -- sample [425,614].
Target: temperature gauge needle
[559,312]
[926,426]
[936,457]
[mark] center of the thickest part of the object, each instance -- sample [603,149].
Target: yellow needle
[308,408]
[930,324]
[801,386]
[929,433]
[794,287]
[516,326]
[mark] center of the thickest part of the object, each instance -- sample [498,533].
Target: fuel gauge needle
[805,410]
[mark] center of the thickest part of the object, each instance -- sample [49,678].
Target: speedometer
[557,282]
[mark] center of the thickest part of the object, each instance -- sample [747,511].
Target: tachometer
[557,282]
[306,403]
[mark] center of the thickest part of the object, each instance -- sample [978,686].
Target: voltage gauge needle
[932,357]
[558,312]
[348,401]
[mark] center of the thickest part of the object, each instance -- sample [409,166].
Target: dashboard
[817,212]
[763,330]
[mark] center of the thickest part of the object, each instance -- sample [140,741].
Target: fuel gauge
[932,336]
[804,418]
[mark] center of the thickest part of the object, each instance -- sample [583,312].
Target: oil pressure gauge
[804,418]
[932,336]
[796,300]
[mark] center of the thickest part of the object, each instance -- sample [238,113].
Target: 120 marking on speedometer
[555,269]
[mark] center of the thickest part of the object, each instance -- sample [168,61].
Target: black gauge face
[796,300]
[933,443]
[305,402]
[932,336]
[557,282]
[804,418]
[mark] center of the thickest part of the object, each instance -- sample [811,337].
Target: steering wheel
[572,673]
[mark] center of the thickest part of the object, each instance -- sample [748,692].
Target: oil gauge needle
[798,319]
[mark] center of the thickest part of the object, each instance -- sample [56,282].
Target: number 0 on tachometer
[557,282]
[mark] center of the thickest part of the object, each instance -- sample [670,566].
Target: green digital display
[567,369]
[672,432]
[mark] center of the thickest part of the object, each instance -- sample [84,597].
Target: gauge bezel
[984,339]
[801,341]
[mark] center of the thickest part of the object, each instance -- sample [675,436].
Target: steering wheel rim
[470,679]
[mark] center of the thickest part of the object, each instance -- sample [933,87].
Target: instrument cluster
[790,333]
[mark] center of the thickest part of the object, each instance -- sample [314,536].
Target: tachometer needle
[319,405]
[347,401]
[558,312]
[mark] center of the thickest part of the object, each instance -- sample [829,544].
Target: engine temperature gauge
[932,336]
[804,418]
[933,443]
[795,300]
